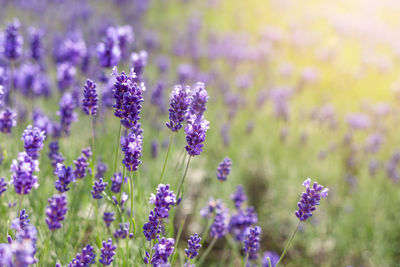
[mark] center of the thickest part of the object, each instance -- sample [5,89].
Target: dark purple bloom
[66,112]
[65,176]
[108,50]
[310,199]
[241,221]
[132,147]
[98,187]
[81,166]
[163,200]
[22,221]
[22,173]
[87,152]
[179,105]
[35,43]
[83,259]
[152,228]
[3,186]
[66,73]
[108,218]
[90,98]
[116,182]
[195,132]
[123,231]
[7,120]
[238,197]
[56,211]
[107,253]
[274,258]
[199,100]
[193,246]
[13,41]
[33,141]
[101,169]
[252,243]
[162,250]
[224,169]
[128,97]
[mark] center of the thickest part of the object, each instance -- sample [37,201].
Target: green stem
[19,204]
[166,157]
[288,244]
[131,189]
[178,237]
[117,150]
[183,178]
[206,231]
[246,259]
[209,248]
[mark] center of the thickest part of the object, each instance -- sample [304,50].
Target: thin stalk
[178,237]
[171,139]
[131,189]
[288,244]
[206,231]
[19,205]
[209,248]
[245,260]
[93,149]
[117,150]
[184,176]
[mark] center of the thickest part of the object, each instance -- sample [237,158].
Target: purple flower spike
[132,147]
[163,201]
[54,154]
[107,253]
[65,176]
[195,135]
[35,43]
[66,73]
[310,199]
[219,227]
[152,228]
[238,197]
[252,243]
[22,173]
[224,169]
[33,141]
[13,41]
[66,112]
[81,165]
[162,250]
[139,62]
[123,232]
[90,98]
[199,101]
[56,211]
[241,221]
[98,187]
[108,218]
[101,169]
[108,50]
[193,246]
[83,259]
[3,186]
[116,182]
[179,105]
[7,120]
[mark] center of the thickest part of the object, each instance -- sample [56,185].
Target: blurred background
[297,89]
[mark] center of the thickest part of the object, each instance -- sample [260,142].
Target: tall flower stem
[288,244]
[184,176]
[171,139]
[131,196]
[178,237]
[117,149]
[209,248]
[93,149]
[19,204]
[245,260]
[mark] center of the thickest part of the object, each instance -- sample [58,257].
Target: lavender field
[199,133]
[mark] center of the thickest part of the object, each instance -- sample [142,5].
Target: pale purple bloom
[274,258]
[33,139]
[12,41]
[195,131]
[108,50]
[66,112]
[358,121]
[180,101]
[65,176]
[162,250]
[22,171]
[132,147]
[56,211]
[224,169]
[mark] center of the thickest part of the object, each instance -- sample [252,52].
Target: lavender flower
[219,227]
[3,186]
[132,147]
[98,187]
[274,258]
[310,199]
[66,112]
[241,221]
[107,253]
[54,154]
[195,135]
[35,43]
[13,41]
[116,182]
[163,201]
[238,197]
[179,105]
[66,73]
[193,246]
[6,255]
[7,120]
[157,97]
[154,149]
[24,245]
[123,231]
[56,211]
[22,173]
[65,176]
[125,37]
[139,61]
[81,166]
[33,141]
[101,169]
[83,259]
[87,152]
[121,204]
[108,51]
[90,98]
[252,243]
[224,169]
[162,250]
[108,218]
[199,100]
[152,228]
